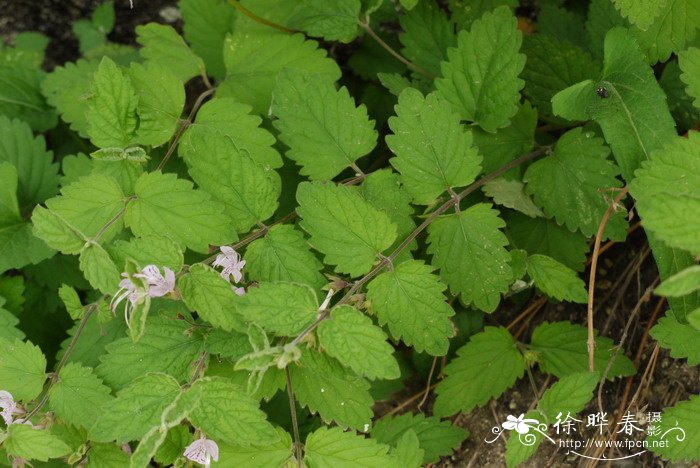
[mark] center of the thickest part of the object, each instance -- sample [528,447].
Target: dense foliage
[307,201]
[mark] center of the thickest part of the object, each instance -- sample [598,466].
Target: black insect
[602,92]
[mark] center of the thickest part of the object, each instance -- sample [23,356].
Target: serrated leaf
[67,88]
[71,301]
[136,409]
[562,24]
[206,24]
[602,17]
[21,98]
[680,338]
[249,191]
[484,368]
[578,156]
[111,113]
[176,439]
[165,203]
[334,392]
[165,48]
[684,415]
[410,300]
[258,456]
[511,194]
[349,231]
[680,284]
[283,255]
[212,297]
[433,150]
[465,12]
[148,250]
[235,120]
[666,190]
[161,100]
[8,324]
[546,237]
[562,351]
[99,268]
[333,20]
[437,438]
[56,232]
[634,117]
[164,347]
[426,36]
[472,237]
[407,450]
[640,12]
[78,395]
[323,129]
[262,55]
[106,456]
[326,448]
[281,308]
[480,77]
[352,338]
[93,339]
[556,280]
[220,400]
[670,31]
[23,441]
[689,62]
[37,173]
[22,369]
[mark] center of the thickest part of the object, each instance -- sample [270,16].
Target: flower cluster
[232,266]
[202,451]
[153,284]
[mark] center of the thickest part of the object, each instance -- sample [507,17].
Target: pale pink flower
[9,407]
[202,451]
[231,262]
[156,285]
[240,291]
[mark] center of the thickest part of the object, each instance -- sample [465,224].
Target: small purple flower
[231,262]
[202,451]
[9,407]
[156,285]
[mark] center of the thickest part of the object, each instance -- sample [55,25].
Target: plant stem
[396,55]
[258,19]
[293,411]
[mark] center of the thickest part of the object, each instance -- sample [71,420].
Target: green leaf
[484,368]
[426,36]
[173,446]
[148,250]
[352,338]
[480,77]
[283,255]
[22,369]
[78,395]
[253,60]
[235,120]
[206,24]
[671,31]
[334,392]
[511,194]
[206,292]
[165,203]
[410,300]
[437,438]
[37,173]
[21,98]
[136,409]
[689,62]
[634,117]
[680,338]
[249,191]
[333,20]
[99,268]
[8,324]
[555,279]
[165,49]
[561,24]
[71,301]
[465,12]
[56,232]
[472,237]
[343,226]
[164,347]
[107,456]
[323,129]
[220,400]
[333,448]
[666,191]
[684,415]
[641,13]
[258,456]
[67,88]
[161,100]
[407,450]
[25,442]
[553,65]
[111,114]
[433,150]
[280,308]
[93,339]
[562,351]
[581,157]
[602,17]
[680,284]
